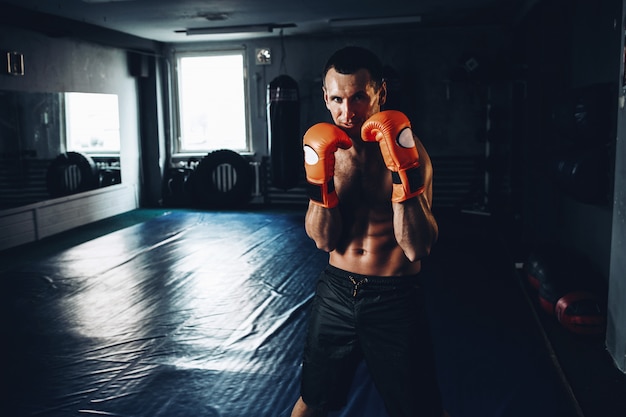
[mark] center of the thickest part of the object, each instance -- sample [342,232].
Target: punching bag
[285,141]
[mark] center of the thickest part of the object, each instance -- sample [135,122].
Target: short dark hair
[350,59]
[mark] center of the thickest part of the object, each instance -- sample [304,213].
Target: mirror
[56,144]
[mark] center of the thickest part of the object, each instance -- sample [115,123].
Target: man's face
[352,99]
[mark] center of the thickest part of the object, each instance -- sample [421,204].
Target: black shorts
[381,320]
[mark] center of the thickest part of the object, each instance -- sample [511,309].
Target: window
[92,123]
[212,111]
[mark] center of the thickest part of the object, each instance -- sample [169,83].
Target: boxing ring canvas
[197,313]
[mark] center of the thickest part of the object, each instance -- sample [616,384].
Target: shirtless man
[370,185]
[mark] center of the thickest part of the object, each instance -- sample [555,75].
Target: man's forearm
[323,225]
[415,227]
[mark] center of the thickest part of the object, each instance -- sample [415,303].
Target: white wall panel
[36,221]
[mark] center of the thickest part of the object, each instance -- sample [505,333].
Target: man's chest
[366,181]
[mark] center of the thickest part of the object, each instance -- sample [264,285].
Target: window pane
[212,103]
[92,122]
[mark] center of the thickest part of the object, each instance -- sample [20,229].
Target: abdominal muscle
[372,251]
[367,245]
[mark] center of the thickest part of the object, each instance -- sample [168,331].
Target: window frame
[177,143]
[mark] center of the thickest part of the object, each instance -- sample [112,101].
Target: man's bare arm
[415,227]
[323,225]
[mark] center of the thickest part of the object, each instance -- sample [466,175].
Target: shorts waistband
[378,281]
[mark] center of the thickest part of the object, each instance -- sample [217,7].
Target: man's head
[353,87]
[350,59]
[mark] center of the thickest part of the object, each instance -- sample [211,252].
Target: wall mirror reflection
[56,144]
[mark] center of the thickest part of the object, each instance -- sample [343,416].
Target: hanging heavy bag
[283,120]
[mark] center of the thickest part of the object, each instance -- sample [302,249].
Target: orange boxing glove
[392,130]
[321,142]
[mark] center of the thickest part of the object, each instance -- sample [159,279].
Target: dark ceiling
[167,20]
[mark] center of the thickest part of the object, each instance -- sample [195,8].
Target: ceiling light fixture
[377,21]
[219,30]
